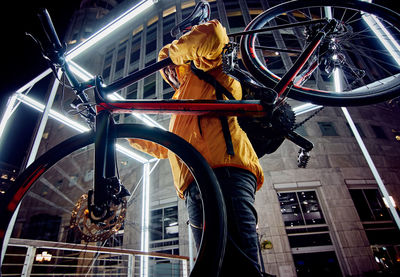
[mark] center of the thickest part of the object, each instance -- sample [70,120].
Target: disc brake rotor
[96,231]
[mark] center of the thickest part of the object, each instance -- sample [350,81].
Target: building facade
[329,218]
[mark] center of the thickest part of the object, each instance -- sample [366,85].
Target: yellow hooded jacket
[203,45]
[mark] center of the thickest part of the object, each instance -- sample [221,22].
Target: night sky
[21,61]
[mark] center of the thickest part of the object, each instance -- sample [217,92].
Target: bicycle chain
[307,119]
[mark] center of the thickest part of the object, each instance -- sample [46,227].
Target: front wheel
[50,187]
[357,64]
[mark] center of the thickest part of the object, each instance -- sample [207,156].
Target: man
[239,173]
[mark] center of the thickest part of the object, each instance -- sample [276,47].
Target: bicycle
[325,44]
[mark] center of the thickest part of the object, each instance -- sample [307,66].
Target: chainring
[97,231]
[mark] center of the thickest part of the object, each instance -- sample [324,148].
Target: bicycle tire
[211,252]
[370,92]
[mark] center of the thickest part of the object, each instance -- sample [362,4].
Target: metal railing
[45,258]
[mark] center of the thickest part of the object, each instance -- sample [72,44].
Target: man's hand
[170,74]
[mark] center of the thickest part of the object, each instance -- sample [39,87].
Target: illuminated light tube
[337,80]
[74,125]
[79,71]
[7,113]
[85,76]
[384,36]
[391,200]
[308,107]
[109,28]
[144,259]
[130,153]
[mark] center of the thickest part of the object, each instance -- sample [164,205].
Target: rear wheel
[48,193]
[362,54]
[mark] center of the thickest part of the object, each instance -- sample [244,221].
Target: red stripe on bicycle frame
[20,193]
[192,108]
[297,71]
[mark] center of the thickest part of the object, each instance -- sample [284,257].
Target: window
[369,205]
[135,51]
[300,208]
[120,60]
[164,224]
[107,65]
[132,91]
[169,23]
[379,133]
[149,88]
[327,129]
[381,231]
[308,234]
[235,16]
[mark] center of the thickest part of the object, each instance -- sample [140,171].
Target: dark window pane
[151,46]
[310,207]
[310,240]
[379,133]
[377,205]
[120,65]
[106,72]
[135,56]
[327,129]
[156,230]
[236,21]
[290,209]
[317,264]
[171,222]
[361,204]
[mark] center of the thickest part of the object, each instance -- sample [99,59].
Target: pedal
[302,158]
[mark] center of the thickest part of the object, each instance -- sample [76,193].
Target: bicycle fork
[107,188]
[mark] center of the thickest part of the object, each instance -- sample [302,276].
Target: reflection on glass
[300,208]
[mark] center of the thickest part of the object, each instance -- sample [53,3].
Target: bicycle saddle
[200,14]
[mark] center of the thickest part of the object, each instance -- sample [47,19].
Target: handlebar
[49,29]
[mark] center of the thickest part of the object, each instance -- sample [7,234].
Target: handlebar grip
[49,29]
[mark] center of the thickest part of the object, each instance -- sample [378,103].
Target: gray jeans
[238,187]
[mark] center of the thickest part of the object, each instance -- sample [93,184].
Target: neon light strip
[74,125]
[109,28]
[7,113]
[305,108]
[383,34]
[85,76]
[144,267]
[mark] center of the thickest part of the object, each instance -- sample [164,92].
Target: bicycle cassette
[97,231]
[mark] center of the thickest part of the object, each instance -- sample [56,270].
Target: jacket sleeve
[203,45]
[150,148]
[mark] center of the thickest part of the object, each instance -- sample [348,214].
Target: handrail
[89,248]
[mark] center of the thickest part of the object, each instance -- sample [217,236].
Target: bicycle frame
[105,140]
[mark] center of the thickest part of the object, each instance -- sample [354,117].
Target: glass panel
[379,133]
[290,209]
[327,128]
[309,240]
[361,204]
[376,203]
[156,230]
[310,207]
[317,264]
[171,222]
